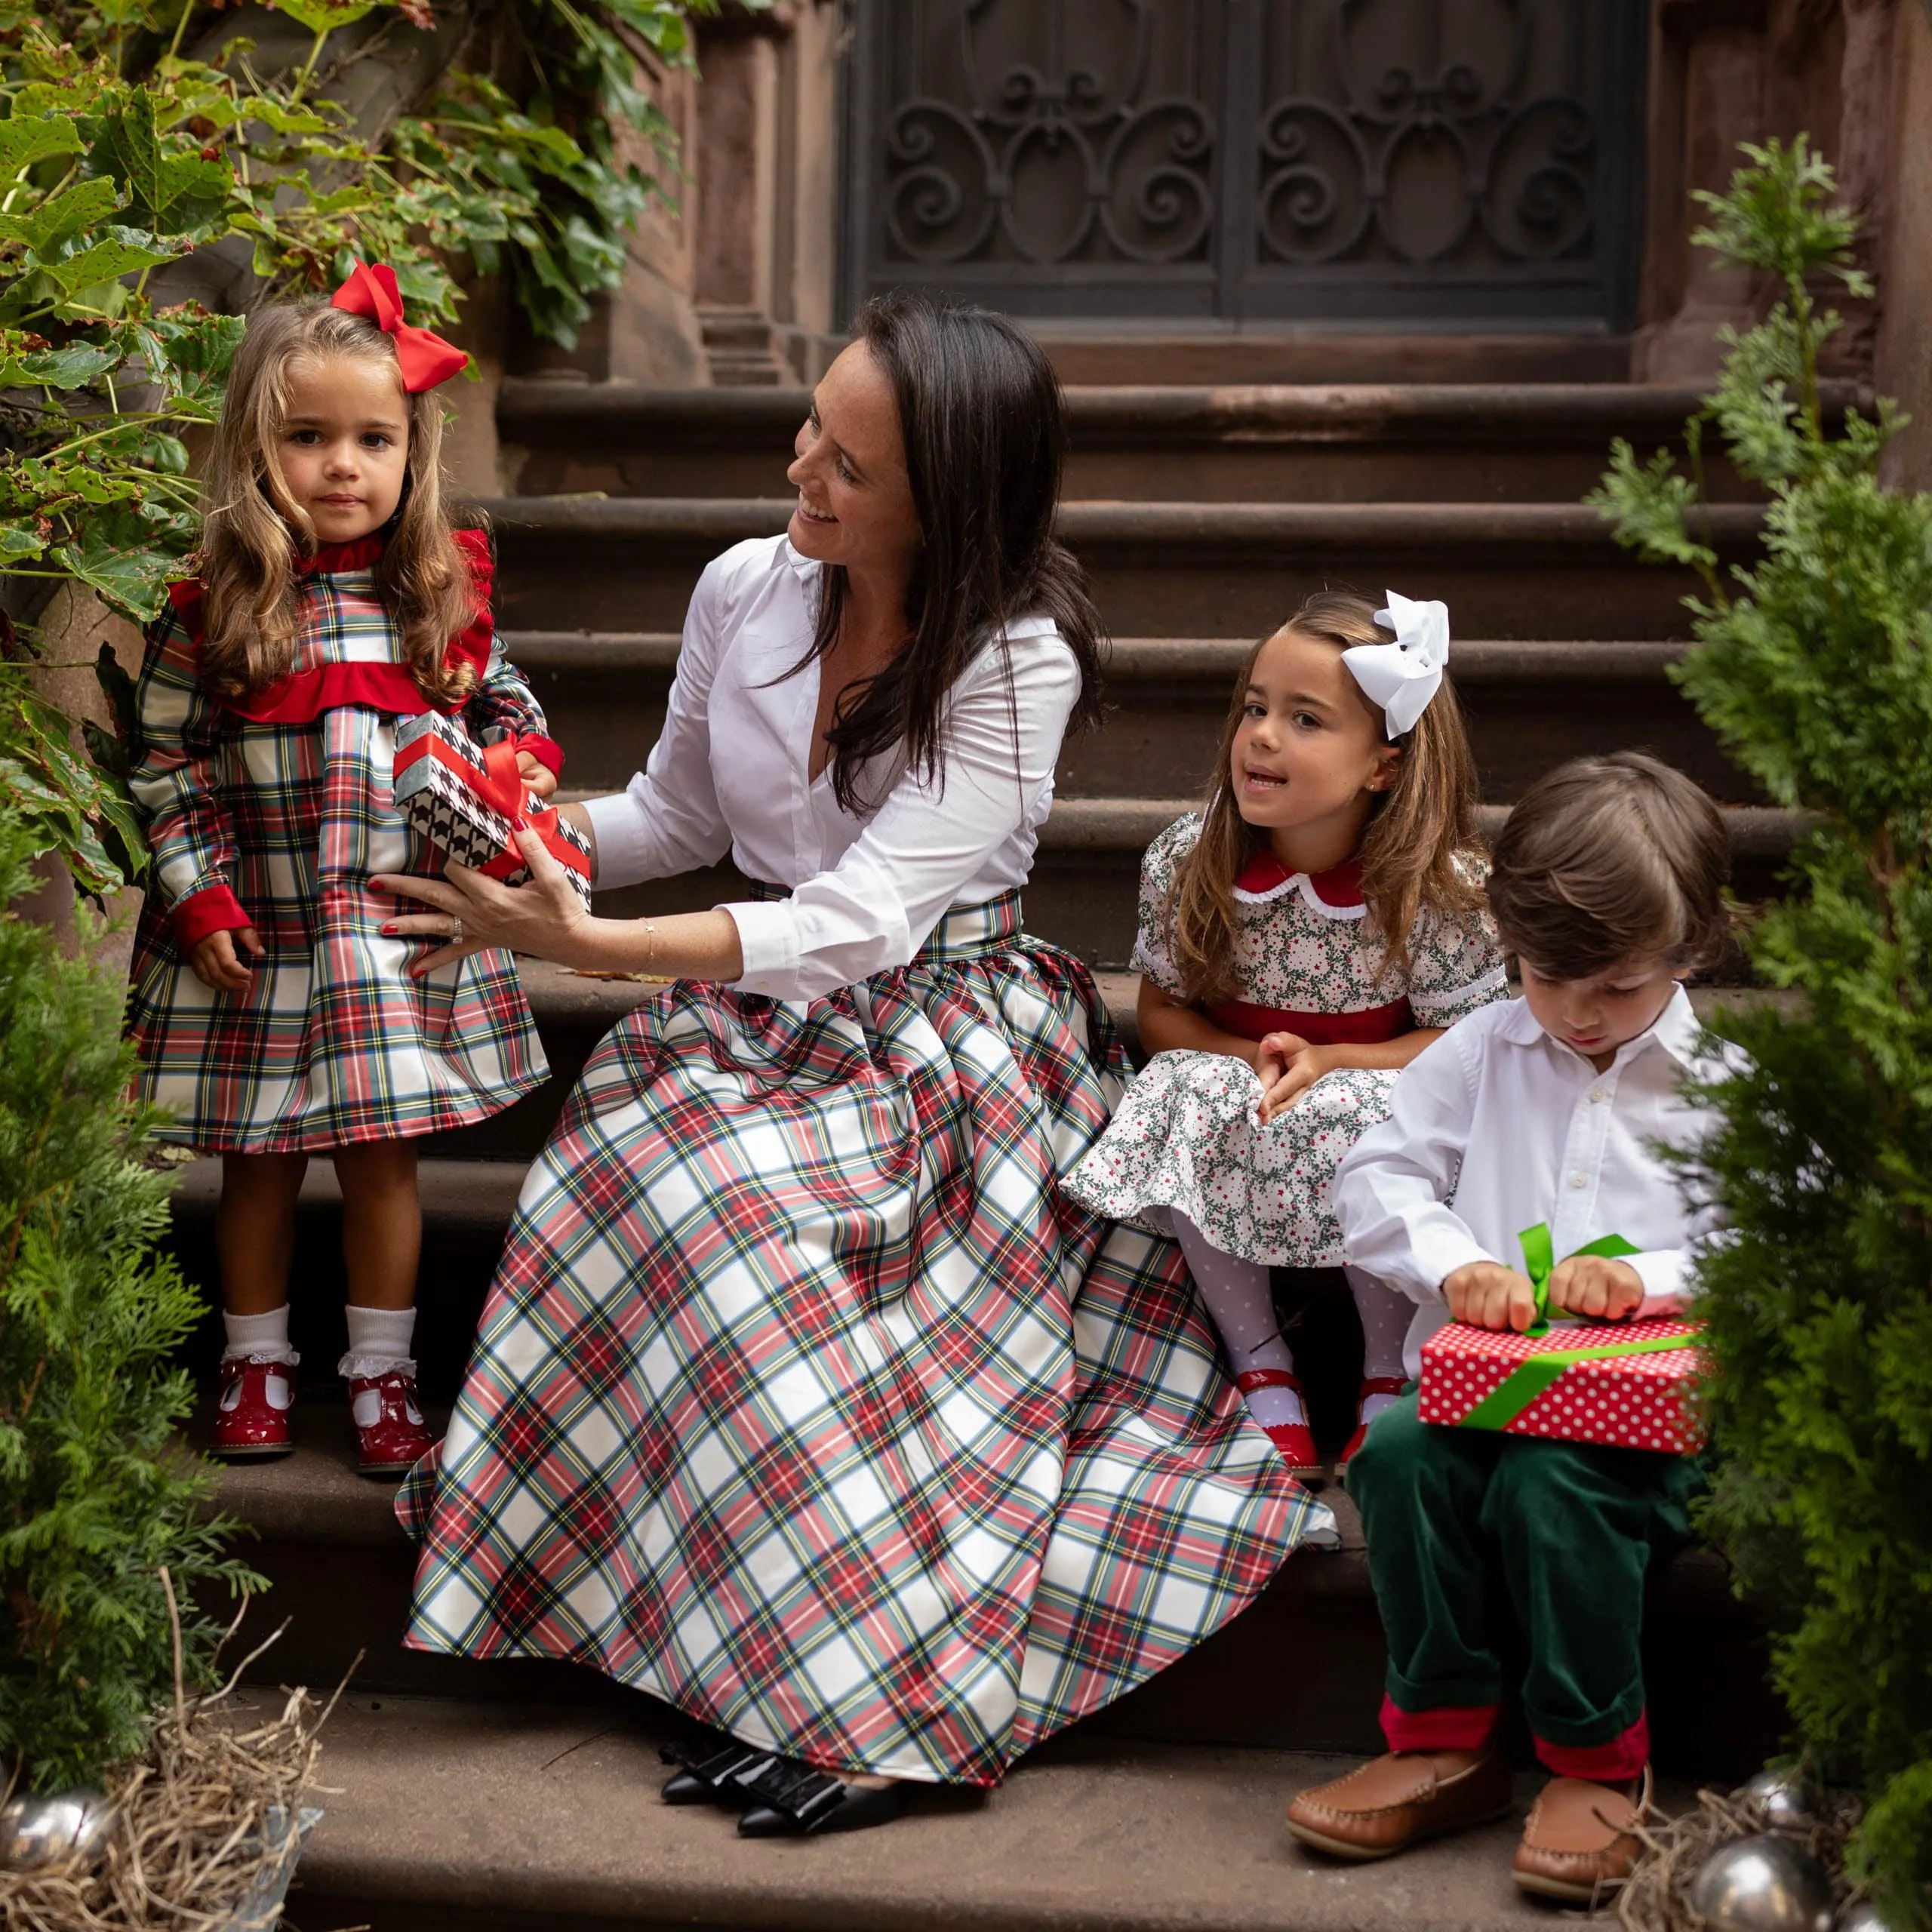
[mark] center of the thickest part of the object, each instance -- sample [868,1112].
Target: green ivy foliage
[1814,668]
[96,1495]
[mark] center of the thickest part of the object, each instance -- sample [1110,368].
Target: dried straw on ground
[200,1822]
[1657,1898]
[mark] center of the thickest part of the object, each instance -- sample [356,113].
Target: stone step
[454,1815]
[1112,353]
[1085,881]
[1300,1668]
[447,1817]
[1511,570]
[1529,705]
[470,1180]
[1474,442]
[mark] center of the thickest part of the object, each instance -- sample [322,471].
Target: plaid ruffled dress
[273,810]
[804,1399]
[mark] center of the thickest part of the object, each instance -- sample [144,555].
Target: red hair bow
[425,357]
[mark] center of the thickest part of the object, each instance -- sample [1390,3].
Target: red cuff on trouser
[213,909]
[1617,1762]
[1449,1727]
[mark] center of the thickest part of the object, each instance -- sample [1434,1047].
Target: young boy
[1607,886]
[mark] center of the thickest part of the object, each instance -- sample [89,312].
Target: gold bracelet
[651,975]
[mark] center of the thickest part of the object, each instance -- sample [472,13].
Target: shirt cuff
[767,937]
[622,838]
[213,908]
[1661,1271]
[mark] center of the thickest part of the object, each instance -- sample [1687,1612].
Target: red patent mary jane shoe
[1293,1440]
[390,1435]
[251,1415]
[1375,1385]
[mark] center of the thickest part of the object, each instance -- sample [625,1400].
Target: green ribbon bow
[1536,1377]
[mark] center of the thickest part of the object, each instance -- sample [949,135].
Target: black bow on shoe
[787,1799]
[712,1777]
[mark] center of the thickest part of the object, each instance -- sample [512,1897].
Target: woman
[803,1400]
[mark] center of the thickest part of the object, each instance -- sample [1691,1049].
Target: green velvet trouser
[1460,1520]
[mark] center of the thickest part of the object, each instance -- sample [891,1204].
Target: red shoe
[251,1416]
[390,1437]
[1292,1439]
[1375,1385]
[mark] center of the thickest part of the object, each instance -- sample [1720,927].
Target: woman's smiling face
[855,500]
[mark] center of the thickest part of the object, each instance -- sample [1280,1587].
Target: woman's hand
[541,916]
[536,775]
[216,963]
[1288,1067]
[1488,1295]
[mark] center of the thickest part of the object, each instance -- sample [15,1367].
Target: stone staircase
[521,1795]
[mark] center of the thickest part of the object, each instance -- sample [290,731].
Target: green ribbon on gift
[1537,1375]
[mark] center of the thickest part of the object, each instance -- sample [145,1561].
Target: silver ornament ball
[1863,1917]
[1786,1800]
[46,1834]
[1763,1883]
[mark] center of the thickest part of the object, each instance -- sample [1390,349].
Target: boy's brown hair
[1606,859]
[1411,848]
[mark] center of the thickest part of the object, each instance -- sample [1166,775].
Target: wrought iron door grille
[1468,163]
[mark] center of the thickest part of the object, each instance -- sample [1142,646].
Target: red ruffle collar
[330,559]
[1340,887]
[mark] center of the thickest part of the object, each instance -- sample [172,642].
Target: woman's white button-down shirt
[730,774]
[1496,1126]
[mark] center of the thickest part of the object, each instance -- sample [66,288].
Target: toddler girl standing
[274,1017]
[1302,937]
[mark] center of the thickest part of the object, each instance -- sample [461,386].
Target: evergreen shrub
[96,1494]
[1813,667]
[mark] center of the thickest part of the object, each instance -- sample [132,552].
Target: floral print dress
[1188,1134]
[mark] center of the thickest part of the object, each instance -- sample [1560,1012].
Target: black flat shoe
[713,1778]
[792,1799]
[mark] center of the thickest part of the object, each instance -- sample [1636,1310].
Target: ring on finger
[456,929]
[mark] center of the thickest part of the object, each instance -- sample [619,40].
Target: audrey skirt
[805,1400]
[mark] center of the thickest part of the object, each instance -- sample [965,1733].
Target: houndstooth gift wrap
[454,804]
[273,811]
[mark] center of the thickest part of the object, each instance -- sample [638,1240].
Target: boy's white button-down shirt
[1496,1126]
[730,772]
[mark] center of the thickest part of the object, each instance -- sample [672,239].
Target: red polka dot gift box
[1627,1384]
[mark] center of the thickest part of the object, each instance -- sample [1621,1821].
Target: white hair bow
[1402,677]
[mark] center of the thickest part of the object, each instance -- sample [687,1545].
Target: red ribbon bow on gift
[503,785]
[370,291]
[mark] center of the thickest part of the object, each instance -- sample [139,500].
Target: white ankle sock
[1241,1304]
[259,1337]
[1386,1315]
[378,1340]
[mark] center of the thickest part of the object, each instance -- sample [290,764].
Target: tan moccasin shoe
[1578,1844]
[1391,1802]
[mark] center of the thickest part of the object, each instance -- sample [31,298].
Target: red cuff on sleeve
[544,751]
[213,909]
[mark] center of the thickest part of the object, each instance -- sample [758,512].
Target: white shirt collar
[1677,1029]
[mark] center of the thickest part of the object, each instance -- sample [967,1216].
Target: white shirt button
[1579,1179]
[1597,1097]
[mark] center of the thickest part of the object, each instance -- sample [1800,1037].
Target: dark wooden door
[1381,163]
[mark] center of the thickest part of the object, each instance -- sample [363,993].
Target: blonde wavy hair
[1416,831]
[254,531]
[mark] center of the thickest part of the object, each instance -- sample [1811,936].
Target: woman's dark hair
[1606,859]
[985,431]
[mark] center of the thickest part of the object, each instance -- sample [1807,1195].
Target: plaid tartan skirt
[806,1400]
[333,1043]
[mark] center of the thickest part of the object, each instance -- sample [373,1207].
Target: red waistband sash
[1368,1028]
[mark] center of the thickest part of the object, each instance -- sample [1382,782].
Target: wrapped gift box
[466,801]
[1627,1384]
